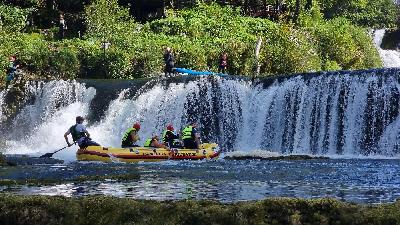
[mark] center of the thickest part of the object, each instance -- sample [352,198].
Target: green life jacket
[148,142]
[127,138]
[75,134]
[187,133]
[126,134]
[164,136]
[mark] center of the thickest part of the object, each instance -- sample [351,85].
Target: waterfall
[2,102]
[390,58]
[50,111]
[332,113]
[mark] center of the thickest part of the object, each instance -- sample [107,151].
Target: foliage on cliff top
[198,36]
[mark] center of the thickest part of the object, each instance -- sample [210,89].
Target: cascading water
[390,58]
[339,113]
[331,114]
[39,126]
[2,101]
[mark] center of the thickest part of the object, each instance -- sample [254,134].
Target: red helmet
[136,126]
[170,127]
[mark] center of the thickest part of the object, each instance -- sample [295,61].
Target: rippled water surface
[353,180]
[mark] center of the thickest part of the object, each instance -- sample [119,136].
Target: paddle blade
[47,155]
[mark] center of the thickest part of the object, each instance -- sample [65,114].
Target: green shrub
[12,18]
[366,13]
[198,36]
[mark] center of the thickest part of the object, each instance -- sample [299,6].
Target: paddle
[50,154]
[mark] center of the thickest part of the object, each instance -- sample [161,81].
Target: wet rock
[29,160]
[3,161]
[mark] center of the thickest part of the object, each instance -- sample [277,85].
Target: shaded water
[353,180]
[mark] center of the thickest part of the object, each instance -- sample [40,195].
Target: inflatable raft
[146,154]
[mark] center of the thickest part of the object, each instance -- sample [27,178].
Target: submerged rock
[79,179]
[3,161]
[29,160]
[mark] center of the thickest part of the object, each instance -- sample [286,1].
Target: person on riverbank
[154,142]
[79,134]
[131,136]
[171,139]
[223,63]
[12,69]
[169,61]
[190,137]
[62,27]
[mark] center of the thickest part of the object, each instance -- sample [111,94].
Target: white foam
[2,101]
[390,58]
[259,153]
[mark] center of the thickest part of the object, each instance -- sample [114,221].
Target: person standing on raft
[79,134]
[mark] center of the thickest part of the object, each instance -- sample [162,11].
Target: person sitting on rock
[79,134]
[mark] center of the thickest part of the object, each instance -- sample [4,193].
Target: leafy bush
[198,36]
[12,18]
[366,13]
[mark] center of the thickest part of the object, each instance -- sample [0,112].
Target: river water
[352,180]
[351,116]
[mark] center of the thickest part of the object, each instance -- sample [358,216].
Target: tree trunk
[257,54]
[308,5]
[296,12]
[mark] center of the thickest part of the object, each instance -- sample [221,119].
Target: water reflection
[361,181]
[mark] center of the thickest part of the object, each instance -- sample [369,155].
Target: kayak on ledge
[198,73]
[146,154]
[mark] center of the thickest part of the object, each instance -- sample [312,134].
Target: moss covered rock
[110,210]
[3,161]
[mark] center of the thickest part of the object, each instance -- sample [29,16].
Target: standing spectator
[62,27]
[169,61]
[223,63]
[12,69]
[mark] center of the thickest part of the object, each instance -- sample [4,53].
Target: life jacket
[126,138]
[148,142]
[164,136]
[187,133]
[75,134]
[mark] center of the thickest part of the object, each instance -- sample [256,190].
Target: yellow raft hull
[146,154]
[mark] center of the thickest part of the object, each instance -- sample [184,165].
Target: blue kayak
[198,73]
